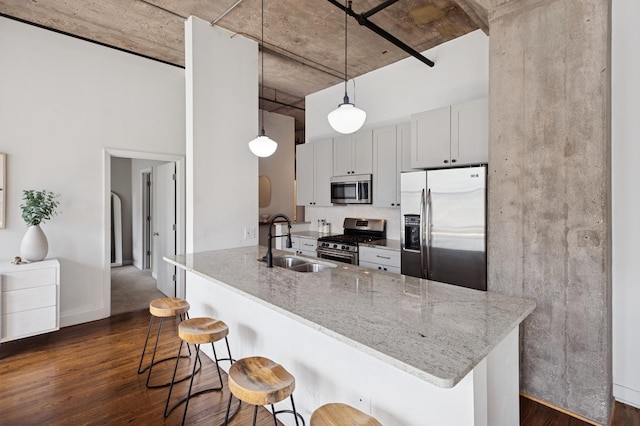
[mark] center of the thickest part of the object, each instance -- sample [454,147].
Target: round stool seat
[168,307]
[337,414]
[202,330]
[260,381]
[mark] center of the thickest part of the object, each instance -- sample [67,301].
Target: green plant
[38,206]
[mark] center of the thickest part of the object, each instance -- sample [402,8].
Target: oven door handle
[349,257]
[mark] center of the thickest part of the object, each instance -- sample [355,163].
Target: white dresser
[29,299]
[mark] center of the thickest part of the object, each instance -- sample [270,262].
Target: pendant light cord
[346,8]
[262,69]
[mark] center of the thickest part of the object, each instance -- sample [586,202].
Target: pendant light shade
[346,118]
[262,145]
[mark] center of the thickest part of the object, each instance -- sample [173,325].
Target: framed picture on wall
[3,186]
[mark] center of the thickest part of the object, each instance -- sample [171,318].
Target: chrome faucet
[269,255]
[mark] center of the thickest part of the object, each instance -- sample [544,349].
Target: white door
[165,226]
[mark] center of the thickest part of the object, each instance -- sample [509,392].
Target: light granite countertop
[437,332]
[383,244]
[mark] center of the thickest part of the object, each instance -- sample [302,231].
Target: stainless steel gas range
[344,248]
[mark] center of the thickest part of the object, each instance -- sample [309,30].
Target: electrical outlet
[249,233]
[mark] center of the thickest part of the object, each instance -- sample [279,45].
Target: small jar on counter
[326,228]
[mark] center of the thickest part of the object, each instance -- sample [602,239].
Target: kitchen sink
[298,264]
[311,267]
[287,261]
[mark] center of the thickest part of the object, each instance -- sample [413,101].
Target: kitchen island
[406,350]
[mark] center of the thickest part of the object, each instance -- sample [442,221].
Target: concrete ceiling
[303,39]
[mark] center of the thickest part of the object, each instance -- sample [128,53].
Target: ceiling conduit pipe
[362,20]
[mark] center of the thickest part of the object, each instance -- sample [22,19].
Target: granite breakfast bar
[405,350]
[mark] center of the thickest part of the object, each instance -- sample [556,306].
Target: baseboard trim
[81,318]
[626,395]
[560,409]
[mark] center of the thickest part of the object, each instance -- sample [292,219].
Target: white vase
[34,246]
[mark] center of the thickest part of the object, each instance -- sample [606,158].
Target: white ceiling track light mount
[347,118]
[263,145]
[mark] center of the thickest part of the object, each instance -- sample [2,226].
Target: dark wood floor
[86,375]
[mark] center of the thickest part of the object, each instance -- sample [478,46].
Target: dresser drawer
[29,298]
[18,280]
[28,323]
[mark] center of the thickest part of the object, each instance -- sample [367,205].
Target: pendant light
[263,145]
[346,118]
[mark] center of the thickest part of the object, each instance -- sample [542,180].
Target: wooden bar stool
[338,414]
[260,381]
[197,331]
[164,307]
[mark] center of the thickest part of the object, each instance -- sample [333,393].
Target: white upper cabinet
[313,172]
[470,132]
[431,138]
[387,161]
[323,169]
[353,154]
[404,140]
[305,180]
[451,136]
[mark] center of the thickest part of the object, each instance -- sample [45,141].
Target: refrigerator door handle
[422,235]
[428,248]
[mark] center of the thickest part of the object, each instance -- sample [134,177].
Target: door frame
[147,199]
[106,208]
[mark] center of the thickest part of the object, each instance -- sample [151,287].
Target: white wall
[222,117]
[63,101]
[626,202]
[121,185]
[280,166]
[391,94]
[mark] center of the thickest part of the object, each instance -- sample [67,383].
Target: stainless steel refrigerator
[443,225]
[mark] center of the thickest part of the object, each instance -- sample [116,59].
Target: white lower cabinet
[307,246]
[29,299]
[380,259]
[302,245]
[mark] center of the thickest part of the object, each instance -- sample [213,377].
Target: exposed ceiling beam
[476,12]
[362,20]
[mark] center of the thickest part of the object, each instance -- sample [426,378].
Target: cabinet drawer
[382,257]
[308,244]
[18,280]
[28,323]
[379,267]
[29,298]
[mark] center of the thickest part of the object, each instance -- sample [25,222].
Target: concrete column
[549,192]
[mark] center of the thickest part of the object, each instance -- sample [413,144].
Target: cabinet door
[470,132]
[342,150]
[305,186]
[404,145]
[308,246]
[323,172]
[362,152]
[385,167]
[431,138]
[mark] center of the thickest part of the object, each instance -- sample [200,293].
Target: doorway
[146,242]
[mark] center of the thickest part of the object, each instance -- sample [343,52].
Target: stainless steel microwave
[352,189]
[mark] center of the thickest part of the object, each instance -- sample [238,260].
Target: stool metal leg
[155,348]
[197,361]
[255,415]
[144,348]
[293,411]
